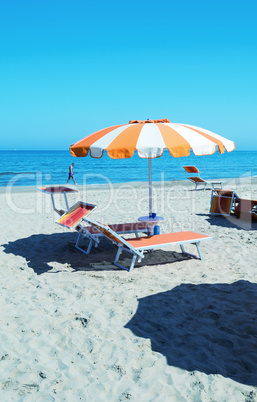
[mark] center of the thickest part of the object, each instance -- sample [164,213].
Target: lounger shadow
[41,252]
[137,246]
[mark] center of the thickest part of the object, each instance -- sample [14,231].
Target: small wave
[13,173]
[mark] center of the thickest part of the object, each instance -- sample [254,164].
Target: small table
[60,190]
[151,221]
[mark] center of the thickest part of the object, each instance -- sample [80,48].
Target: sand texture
[75,327]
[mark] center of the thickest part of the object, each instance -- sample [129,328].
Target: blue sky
[69,68]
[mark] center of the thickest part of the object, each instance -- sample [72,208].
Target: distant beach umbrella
[150,138]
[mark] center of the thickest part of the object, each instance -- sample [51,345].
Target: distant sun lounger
[193,174]
[227,202]
[136,247]
[64,190]
[223,202]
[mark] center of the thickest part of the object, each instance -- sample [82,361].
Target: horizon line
[62,150]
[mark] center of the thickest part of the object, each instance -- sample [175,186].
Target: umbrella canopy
[150,138]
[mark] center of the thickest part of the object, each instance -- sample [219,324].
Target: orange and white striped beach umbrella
[150,138]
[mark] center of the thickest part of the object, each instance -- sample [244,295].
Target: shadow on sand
[211,328]
[42,250]
[230,222]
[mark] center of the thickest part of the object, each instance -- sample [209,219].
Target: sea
[36,168]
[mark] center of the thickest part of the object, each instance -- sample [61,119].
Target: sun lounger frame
[246,209]
[198,180]
[95,237]
[242,208]
[137,257]
[219,195]
[137,253]
[194,179]
[89,208]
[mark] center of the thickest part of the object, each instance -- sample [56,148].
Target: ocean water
[35,168]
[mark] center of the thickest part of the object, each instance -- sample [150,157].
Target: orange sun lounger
[73,218]
[193,174]
[246,209]
[227,202]
[136,247]
[223,202]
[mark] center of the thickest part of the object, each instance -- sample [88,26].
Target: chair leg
[199,250]
[66,201]
[81,249]
[89,246]
[119,251]
[134,257]
[200,256]
[77,242]
[52,198]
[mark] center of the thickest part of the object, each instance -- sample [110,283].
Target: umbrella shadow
[211,328]
[42,250]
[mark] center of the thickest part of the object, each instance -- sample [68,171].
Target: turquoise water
[28,168]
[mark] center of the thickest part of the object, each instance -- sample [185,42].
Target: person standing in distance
[71,174]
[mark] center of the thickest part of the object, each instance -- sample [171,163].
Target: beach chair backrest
[224,193]
[76,214]
[221,205]
[191,169]
[223,201]
[110,234]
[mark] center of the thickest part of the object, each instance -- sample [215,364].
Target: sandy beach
[75,327]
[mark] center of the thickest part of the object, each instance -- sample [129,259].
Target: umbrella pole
[150,187]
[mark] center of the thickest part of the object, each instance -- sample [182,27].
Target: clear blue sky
[69,68]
